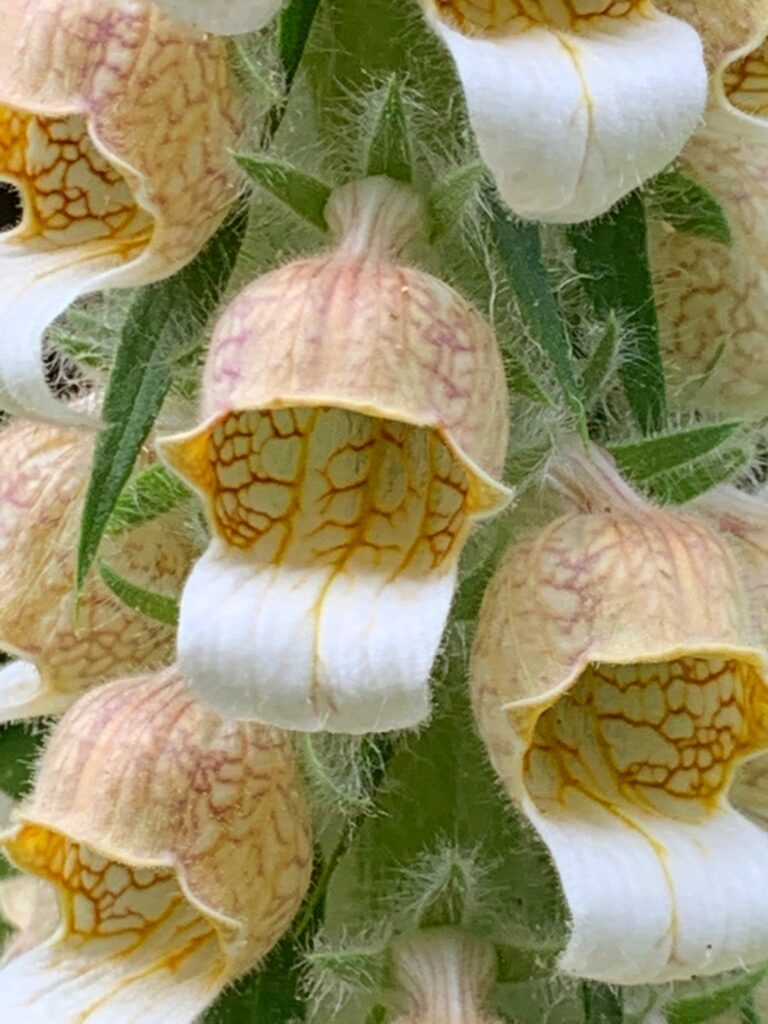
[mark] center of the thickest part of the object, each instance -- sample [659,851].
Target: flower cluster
[353,428]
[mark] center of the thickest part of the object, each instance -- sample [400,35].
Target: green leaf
[389,152]
[728,995]
[449,198]
[154,606]
[150,494]
[678,467]
[749,1013]
[602,1004]
[159,325]
[270,995]
[306,196]
[600,364]
[689,207]
[612,255]
[20,746]
[519,245]
[293,30]
[523,462]
[378,1015]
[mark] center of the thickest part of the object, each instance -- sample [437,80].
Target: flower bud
[446,975]
[619,682]
[65,645]
[574,103]
[354,424]
[713,298]
[179,848]
[115,126]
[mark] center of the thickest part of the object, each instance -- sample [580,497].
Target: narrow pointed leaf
[688,207]
[519,245]
[159,325]
[306,196]
[294,27]
[154,606]
[389,152]
[450,197]
[362,967]
[641,460]
[612,255]
[730,995]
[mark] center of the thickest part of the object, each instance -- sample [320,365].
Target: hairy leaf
[148,495]
[519,246]
[602,1004]
[159,325]
[612,255]
[306,196]
[449,198]
[729,994]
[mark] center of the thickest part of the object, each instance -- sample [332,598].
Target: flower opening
[354,425]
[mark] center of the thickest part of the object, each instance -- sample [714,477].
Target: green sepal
[688,207]
[389,151]
[603,1004]
[600,364]
[364,967]
[305,195]
[154,606]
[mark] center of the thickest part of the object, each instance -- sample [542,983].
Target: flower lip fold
[354,425]
[112,194]
[573,104]
[63,650]
[226,17]
[618,683]
[179,847]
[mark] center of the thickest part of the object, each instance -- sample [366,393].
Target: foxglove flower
[114,128]
[619,682]
[179,848]
[354,424]
[713,298]
[226,17]
[64,646]
[445,975]
[573,102]
[29,906]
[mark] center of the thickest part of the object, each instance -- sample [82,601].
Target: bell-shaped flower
[619,682]
[445,976]
[354,424]
[574,103]
[713,298]
[115,124]
[225,17]
[62,645]
[178,844]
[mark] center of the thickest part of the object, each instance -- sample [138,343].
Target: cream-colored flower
[573,102]
[226,17]
[619,681]
[115,124]
[64,646]
[713,299]
[179,848]
[354,424]
[446,975]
